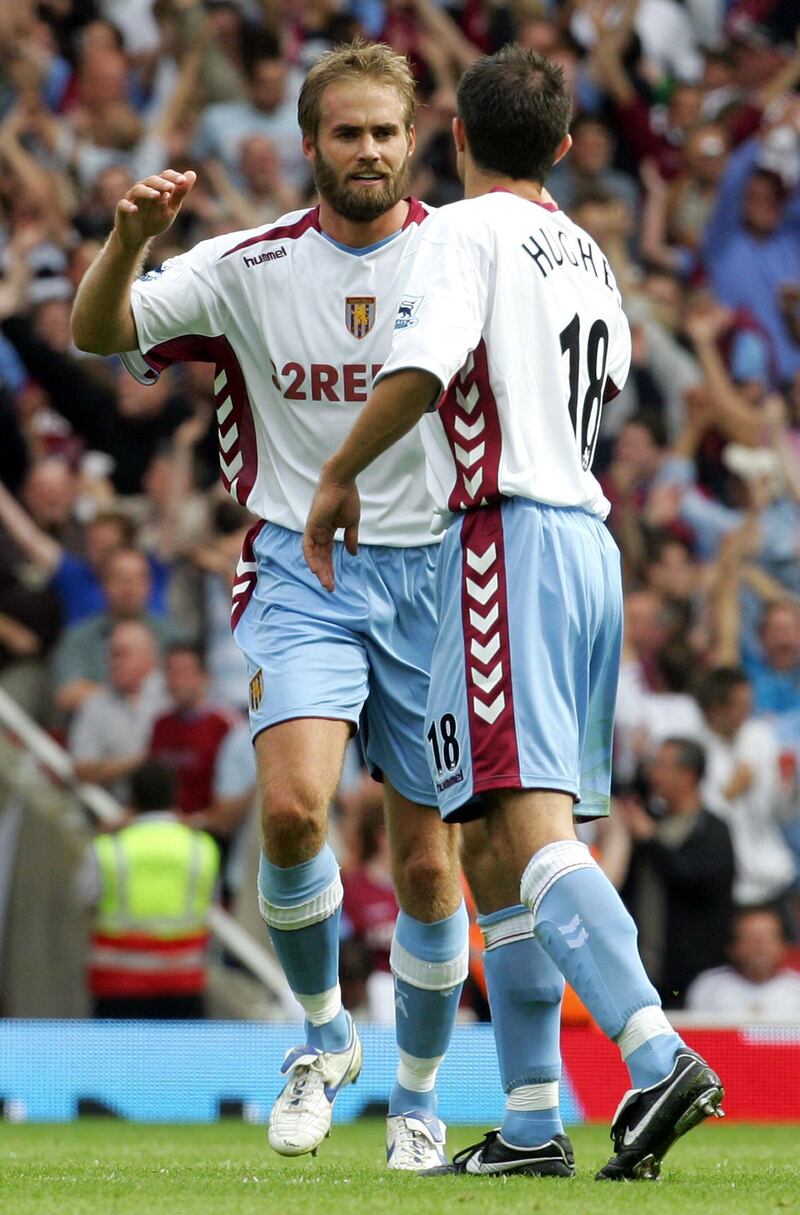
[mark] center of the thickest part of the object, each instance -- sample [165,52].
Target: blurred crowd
[117,549]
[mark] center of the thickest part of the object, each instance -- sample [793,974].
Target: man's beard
[353,202]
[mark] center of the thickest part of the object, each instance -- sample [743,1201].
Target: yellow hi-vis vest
[150,933]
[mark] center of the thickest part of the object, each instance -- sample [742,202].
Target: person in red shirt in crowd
[370,906]
[188,738]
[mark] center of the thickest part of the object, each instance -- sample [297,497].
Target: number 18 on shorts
[525,667]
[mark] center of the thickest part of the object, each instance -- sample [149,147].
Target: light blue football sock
[583,925]
[525,990]
[429,963]
[302,906]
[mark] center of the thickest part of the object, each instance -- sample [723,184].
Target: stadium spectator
[656,135]
[589,166]
[675,215]
[76,580]
[680,878]
[672,569]
[110,733]
[128,423]
[213,570]
[270,110]
[637,457]
[189,737]
[30,610]
[775,672]
[751,246]
[754,985]
[30,620]
[655,301]
[262,194]
[150,886]
[646,716]
[649,625]
[49,493]
[232,816]
[79,662]
[743,786]
[663,29]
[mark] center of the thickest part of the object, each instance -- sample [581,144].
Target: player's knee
[423,870]
[293,827]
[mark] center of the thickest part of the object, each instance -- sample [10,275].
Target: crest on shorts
[256,690]
[359,314]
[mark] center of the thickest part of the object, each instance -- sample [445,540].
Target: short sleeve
[175,309]
[619,358]
[442,312]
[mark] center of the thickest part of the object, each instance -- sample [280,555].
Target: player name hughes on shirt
[515,310]
[297,327]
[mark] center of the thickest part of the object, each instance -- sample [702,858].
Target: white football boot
[414,1142]
[301,1116]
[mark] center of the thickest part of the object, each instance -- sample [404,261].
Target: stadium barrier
[52,1071]
[37,780]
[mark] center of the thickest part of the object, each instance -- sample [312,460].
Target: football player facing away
[517,334]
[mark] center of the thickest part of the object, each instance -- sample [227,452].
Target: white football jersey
[514,309]
[297,327]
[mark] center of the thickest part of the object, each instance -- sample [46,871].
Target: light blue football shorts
[526,662]
[361,654]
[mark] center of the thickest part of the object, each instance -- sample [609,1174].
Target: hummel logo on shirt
[272,255]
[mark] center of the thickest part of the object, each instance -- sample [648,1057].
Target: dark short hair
[116,518]
[582,121]
[675,665]
[651,421]
[716,686]
[659,540]
[153,787]
[690,755]
[125,552]
[258,46]
[773,180]
[516,109]
[188,647]
[772,909]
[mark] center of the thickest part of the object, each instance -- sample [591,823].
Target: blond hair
[353,61]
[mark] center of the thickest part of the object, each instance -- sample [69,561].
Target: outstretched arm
[102,319]
[734,416]
[40,548]
[395,406]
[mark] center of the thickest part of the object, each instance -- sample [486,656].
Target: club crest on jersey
[359,314]
[256,690]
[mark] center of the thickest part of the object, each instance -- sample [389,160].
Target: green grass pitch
[104,1167]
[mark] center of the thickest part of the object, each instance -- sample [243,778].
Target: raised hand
[709,323]
[150,207]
